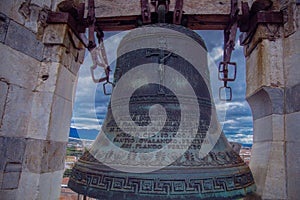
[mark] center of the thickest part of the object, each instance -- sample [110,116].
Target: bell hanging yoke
[154,11]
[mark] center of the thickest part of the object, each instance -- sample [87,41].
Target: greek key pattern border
[163,186]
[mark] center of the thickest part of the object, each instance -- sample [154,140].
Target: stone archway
[39,66]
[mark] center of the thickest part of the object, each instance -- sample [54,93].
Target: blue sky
[90,103]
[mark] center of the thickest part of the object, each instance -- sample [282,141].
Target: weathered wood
[195,22]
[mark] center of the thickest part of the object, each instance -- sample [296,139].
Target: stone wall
[39,65]
[273,91]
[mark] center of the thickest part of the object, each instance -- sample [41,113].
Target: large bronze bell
[161,138]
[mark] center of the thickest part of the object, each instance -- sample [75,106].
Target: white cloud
[85,123]
[230,121]
[85,126]
[222,105]
[240,138]
[216,53]
[245,118]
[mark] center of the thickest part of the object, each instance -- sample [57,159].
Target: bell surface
[161,138]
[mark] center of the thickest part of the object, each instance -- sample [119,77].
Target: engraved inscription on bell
[161,138]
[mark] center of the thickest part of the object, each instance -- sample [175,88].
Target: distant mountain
[89,134]
[73,133]
[247,145]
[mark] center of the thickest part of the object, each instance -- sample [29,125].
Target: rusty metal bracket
[229,43]
[104,87]
[157,3]
[161,9]
[146,13]
[223,71]
[100,50]
[225,97]
[91,24]
[177,15]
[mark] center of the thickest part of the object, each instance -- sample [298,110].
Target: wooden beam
[207,22]
[195,22]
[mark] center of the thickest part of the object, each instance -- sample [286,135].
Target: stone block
[28,186]
[43,156]
[11,9]
[24,12]
[269,32]
[269,170]
[289,10]
[33,18]
[65,83]
[266,101]
[4,23]
[3,96]
[56,53]
[292,127]
[265,66]
[38,125]
[9,194]
[60,125]
[291,71]
[49,186]
[17,112]
[276,95]
[11,176]
[74,67]
[291,59]
[55,34]
[18,68]
[51,72]
[259,164]
[12,154]
[60,54]
[33,156]
[293,169]
[15,148]
[269,128]
[20,38]
[71,50]
[10,180]
[260,104]
[262,128]
[291,46]
[276,180]
[278,127]
[53,156]
[60,80]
